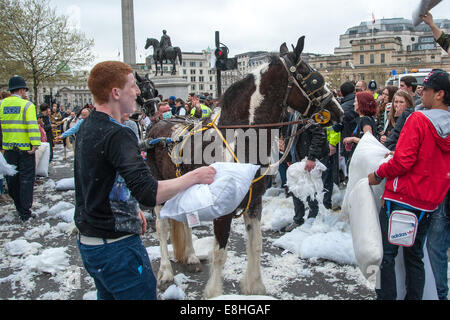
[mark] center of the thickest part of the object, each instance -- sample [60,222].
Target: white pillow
[365,226]
[65,184]
[5,168]
[42,159]
[231,184]
[368,156]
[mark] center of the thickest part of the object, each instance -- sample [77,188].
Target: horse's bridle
[309,86]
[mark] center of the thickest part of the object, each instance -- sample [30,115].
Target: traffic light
[221,53]
[224,63]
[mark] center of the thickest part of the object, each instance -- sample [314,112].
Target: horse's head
[148,94]
[307,91]
[152,42]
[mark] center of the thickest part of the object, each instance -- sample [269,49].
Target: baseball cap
[438,80]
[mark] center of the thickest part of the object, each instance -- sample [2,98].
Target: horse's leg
[252,283]
[191,259]
[214,287]
[165,273]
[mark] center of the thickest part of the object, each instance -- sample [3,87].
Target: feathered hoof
[253,288]
[212,291]
[165,279]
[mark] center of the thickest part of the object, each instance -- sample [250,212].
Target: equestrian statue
[163,51]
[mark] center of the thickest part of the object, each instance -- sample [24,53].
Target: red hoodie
[419,173]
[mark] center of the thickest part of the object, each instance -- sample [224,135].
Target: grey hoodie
[440,120]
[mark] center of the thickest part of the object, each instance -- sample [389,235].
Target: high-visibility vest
[19,124]
[333,137]
[206,111]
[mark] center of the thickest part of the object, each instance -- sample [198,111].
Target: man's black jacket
[108,166]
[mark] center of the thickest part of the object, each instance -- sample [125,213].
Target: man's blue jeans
[414,267]
[438,243]
[121,270]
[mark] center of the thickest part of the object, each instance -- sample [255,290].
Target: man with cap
[417,181]
[21,139]
[172,105]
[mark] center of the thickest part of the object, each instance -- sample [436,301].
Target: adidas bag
[402,228]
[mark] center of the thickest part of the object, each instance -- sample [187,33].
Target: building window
[372,59]
[201,64]
[361,48]
[184,71]
[383,58]
[361,59]
[201,79]
[372,47]
[193,79]
[201,71]
[383,46]
[192,64]
[193,87]
[200,87]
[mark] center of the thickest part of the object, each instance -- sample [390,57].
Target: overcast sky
[244,25]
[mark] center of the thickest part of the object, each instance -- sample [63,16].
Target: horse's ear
[284,49]
[138,77]
[300,45]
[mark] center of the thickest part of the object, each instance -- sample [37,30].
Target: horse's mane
[240,87]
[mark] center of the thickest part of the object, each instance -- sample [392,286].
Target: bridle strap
[321,101]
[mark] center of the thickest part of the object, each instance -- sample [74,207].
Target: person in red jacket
[418,178]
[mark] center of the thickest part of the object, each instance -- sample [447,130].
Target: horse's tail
[178,51]
[178,239]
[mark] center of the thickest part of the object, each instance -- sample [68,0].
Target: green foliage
[35,42]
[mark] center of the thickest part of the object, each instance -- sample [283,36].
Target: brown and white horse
[260,98]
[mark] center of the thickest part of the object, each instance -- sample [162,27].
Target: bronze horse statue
[256,101]
[160,55]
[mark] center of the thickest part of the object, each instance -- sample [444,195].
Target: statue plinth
[169,85]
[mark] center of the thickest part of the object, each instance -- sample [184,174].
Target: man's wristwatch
[377,177]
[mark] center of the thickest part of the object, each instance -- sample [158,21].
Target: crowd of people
[412,121]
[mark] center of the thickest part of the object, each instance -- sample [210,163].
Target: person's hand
[33,150]
[310,165]
[427,18]
[59,138]
[281,145]
[348,140]
[204,175]
[372,180]
[389,154]
[333,150]
[144,222]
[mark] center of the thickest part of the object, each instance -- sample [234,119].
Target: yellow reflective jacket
[19,124]
[206,111]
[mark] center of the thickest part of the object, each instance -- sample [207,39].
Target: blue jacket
[73,130]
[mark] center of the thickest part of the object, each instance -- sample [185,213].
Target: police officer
[199,110]
[21,138]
